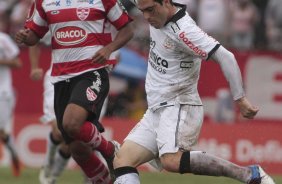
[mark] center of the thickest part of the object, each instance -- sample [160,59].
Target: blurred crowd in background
[239,24]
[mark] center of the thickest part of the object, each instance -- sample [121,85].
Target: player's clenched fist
[246,108]
[21,36]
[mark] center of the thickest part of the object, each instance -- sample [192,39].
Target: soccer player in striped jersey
[82,50]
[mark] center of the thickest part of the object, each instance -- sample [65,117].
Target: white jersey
[176,51]
[78,31]
[8,51]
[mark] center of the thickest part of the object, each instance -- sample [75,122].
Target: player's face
[155,13]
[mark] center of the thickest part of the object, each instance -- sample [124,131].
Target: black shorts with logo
[87,90]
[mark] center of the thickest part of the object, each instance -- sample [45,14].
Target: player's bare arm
[36,73]
[27,37]
[123,36]
[232,74]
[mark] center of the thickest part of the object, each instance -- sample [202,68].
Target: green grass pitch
[30,176]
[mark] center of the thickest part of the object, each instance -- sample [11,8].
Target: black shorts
[87,90]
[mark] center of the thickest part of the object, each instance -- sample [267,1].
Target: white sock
[130,178]
[59,164]
[202,163]
[50,151]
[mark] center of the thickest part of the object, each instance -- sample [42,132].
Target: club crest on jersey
[168,43]
[82,13]
[90,94]
[70,35]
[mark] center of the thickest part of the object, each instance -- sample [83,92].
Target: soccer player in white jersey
[81,53]
[173,120]
[9,58]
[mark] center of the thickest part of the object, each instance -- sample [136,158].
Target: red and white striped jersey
[78,29]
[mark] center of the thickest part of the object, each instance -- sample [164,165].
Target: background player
[9,58]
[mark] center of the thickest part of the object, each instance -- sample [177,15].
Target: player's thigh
[191,120]
[144,133]
[178,128]
[132,154]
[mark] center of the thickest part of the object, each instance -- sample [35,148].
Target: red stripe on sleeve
[108,4]
[40,31]
[122,21]
[40,9]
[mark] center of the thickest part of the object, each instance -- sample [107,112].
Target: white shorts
[48,100]
[168,129]
[7,104]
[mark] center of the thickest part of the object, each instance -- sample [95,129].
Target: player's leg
[197,162]
[54,138]
[79,107]
[60,159]
[139,147]
[126,161]
[6,118]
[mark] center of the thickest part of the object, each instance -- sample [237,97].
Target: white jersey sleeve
[194,39]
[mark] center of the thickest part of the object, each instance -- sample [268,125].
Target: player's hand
[36,74]
[246,108]
[101,56]
[21,36]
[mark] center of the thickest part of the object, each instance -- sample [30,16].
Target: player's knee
[119,161]
[176,162]
[170,162]
[71,127]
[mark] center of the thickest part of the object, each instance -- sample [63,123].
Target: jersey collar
[181,13]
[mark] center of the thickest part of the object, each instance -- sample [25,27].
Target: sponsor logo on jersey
[58,3]
[82,12]
[152,43]
[68,2]
[52,4]
[83,1]
[158,63]
[90,94]
[70,35]
[192,46]
[186,64]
